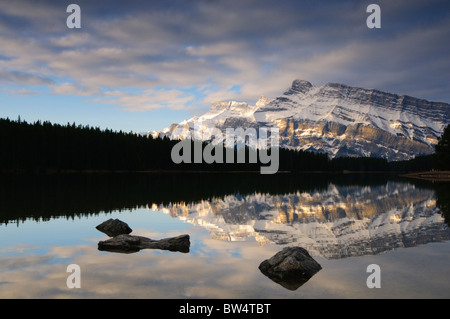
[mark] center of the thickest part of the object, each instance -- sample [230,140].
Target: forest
[46,147]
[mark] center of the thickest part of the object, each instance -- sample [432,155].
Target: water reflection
[335,216]
[236,222]
[337,222]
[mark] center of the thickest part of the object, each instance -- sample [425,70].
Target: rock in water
[114,227]
[291,267]
[125,243]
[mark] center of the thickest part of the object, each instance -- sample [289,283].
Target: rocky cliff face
[337,119]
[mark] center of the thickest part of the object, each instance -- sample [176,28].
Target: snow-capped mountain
[339,222]
[335,118]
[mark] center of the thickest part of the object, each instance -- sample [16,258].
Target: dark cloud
[23,78]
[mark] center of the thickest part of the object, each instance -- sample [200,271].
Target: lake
[235,221]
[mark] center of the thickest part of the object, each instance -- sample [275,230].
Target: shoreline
[441,176]
[90,171]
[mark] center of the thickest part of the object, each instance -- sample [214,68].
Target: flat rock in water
[114,227]
[291,267]
[125,243]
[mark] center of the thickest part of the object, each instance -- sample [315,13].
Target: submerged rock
[114,227]
[291,267]
[125,243]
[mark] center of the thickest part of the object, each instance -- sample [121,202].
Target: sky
[141,65]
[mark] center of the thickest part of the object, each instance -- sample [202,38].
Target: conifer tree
[442,157]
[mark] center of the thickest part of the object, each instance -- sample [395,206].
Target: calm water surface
[346,223]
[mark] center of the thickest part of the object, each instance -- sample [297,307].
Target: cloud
[71,40]
[147,100]
[217,49]
[21,91]
[163,49]
[71,89]
[23,78]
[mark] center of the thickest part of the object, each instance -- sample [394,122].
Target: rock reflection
[338,222]
[128,244]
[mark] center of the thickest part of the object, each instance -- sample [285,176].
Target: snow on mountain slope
[335,118]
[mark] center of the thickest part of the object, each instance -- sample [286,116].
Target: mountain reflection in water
[337,222]
[333,216]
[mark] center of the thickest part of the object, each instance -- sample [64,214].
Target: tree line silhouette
[44,147]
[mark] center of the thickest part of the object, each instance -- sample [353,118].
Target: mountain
[336,119]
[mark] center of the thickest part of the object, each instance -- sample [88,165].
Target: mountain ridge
[335,118]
